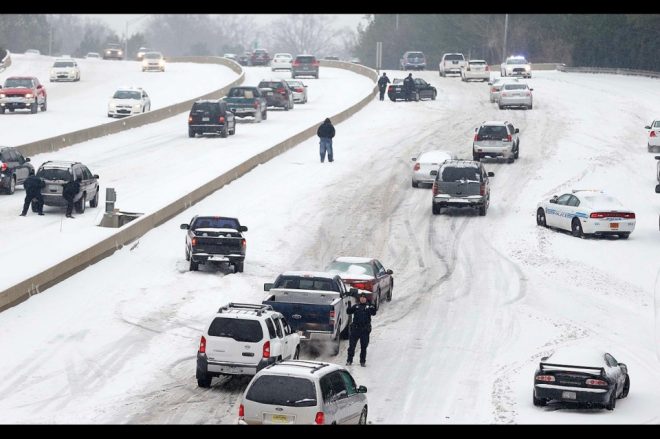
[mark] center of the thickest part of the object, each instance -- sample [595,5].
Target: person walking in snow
[326,132]
[382,85]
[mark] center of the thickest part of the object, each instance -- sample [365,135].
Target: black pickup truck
[215,240]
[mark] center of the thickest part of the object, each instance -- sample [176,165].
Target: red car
[22,93]
[260,57]
[365,274]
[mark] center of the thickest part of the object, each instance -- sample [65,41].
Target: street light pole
[506,27]
[126,33]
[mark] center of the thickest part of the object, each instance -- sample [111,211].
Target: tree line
[589,40]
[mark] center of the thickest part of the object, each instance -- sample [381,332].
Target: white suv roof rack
[257,308]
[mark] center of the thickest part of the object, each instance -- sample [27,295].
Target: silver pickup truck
[461,183]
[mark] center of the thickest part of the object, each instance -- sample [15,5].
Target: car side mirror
[184,226]
[531,89]
[517,130]
[27,159]
[657,157]
[544,358]
[490,83]
[657,188]
[433,172]
[353,292]
[623,365]
[648,127]
[40,86]
[491,174]
[243,229]
[362,389]
[389,272]
[96,175]
[268,286]
[414,159]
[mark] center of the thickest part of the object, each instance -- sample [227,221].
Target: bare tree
[306,33]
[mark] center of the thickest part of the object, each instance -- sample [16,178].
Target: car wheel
[540,218]
[238,267]
[624,235]
[389,293]
[435,95]
[94,202]
[347,330]
[612,404]
[626,387]
[33,108]
[81,204]
[296,355]
[264,115]
[194,266]
[377,300]
[224,132]
[482,210]
[576,228]
[530,106]
[511,160]
[337,344]
[44,106]
[501,106]
[435,209]
[363,416]
[538,402]
[187,254]
[191,133]
[415,184]
[286,107]
[392,99]
[2,111]
[204,382]
[476,157]
[517,153]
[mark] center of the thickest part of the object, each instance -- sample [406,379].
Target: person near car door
[326,132]
[409,86]
[33,186]
[360,328]
[70,191]
[382,85]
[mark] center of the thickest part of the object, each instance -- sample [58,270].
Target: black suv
[14,168]
[211,116]
[277,93]
[305,65]
[215,240]
[58,173]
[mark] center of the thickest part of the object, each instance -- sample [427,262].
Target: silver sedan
[299,91]
[425,163]
[516,95]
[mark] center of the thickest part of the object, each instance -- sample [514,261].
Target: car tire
[336,346]
[204,382]
[363,416]
[94,202]
[187,254]
[194,266]
[293,76]
[415,184]
[476,157]
[377,300]
[626,387]
[224,133]
[44,106]
[389,293]
[345,334]
[264,115]
[516,154]
[624,235]
[511,159]
[482,210]
[500,106]
[530,107]
[296,355]
[238,267]
[81,204]
[576,228]
[540,218]
[286,107]
[2,111]
[233,131]
[612,404]
[435,95]
[392,99]
[191,133]
[538,402]
[435,209]
[33,108]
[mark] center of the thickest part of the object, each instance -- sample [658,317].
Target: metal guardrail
[5,62]
[613,71]
[135,229]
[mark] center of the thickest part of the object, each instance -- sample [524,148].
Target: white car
[451,63]
[242,339]
[476,69]
[64,70]
[153,61]
[231,56]
[281,61]
[299,90]
[93,55]
[516,66]
[425,163]
[128,101]
[303,392]
[586,212]
[496,86]
[516,95]
[653,144]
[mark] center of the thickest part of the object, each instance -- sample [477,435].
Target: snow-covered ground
[477,300]
[76,105]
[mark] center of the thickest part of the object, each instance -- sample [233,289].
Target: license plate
[614,225]
[218,259]
[205,119]
[568,395]
[52,188]
[280,419]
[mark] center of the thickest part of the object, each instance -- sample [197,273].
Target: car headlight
[120,52]
[137,106]
[111,105]
[161,62]
[527,68]
[29,95]
[107,52]
[145,62]
[2,95]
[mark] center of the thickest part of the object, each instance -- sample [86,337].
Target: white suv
[303,392]
[242,339]
[516,66]
[496,139]
[451,63]
[128,101]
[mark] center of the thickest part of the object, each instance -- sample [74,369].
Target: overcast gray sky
[135,21]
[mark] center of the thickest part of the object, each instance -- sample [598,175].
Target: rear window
[657,124]
[305,283]
[54,174]
[413,55]
[215,223]
[248,331]
[283,390]
[350,268]
[492,132]
[306,59]
[205,107]
[515,86]
[470,173]
[63,64]
[270,84]
[455,57]
[478,63]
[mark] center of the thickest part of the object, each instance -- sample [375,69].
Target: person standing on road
[382,85]
[326,132]
[409,86]
[360,329]
[33,186]
[70,191]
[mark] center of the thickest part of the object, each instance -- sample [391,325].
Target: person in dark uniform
[382,85]
[360,329]
[70,191]
[326,132]
[33,186]
[409,86]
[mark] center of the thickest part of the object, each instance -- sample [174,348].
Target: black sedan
[423,90]
[583,376]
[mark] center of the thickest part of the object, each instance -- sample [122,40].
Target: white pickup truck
[314,304]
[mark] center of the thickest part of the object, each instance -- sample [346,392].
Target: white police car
[586,212]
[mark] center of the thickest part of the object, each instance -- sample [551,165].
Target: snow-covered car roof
[300,368]
[598,200]
[321,274]
[586,356]
[460,164]
[354,259]
[494,122]
[435,156]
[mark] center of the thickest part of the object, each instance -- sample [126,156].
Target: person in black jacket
[360,329]
[33,186]
[326,132]
[70,191]
[409,86]
[382,85]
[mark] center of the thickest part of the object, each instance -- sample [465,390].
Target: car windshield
[282,390]
[305,283]
[477,63]
[153,55]
[18,83]
[434,157]
[294,83]
[657,124]
[215,222]
[240,92]
[63,64]
[127,94]
[283,56]
[205,107]
[516,61]
[54,174]
[269,84]
[248,331]
[515,86]
[350,268]
[492,132]
[463,173]
[456,57]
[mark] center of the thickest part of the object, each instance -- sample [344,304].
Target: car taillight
[652,133]
[256,104]
[629,215]
[487,69]
[366,285]
[3,167]
[190,119]
[389,88]
[295,64]
[193,242]
[202,345]
[243,243]
[417,166]
[241,411]
[319,419]
[508,138]
[281,91]
[493,90]
[315,63]
[221,119]
[266,351]
[482,189]
[476,137]
[332,315]
[300,90]
[435,188]
[546,378]
[593,382]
